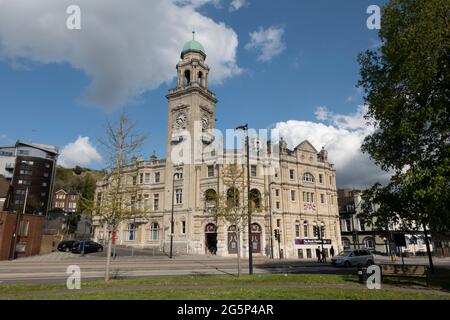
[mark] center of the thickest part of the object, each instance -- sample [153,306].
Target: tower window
[200,79]
[187,77]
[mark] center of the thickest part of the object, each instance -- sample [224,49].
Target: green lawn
[258,287]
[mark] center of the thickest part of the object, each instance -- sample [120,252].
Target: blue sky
[41,95]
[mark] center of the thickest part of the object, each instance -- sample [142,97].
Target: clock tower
[191,114]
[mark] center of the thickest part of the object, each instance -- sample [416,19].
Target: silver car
[349,258]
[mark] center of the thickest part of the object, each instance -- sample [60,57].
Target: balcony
[9,166]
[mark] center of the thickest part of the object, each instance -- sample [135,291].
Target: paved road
[52,268]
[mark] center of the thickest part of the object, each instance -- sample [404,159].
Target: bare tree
[118,202]
[232,205]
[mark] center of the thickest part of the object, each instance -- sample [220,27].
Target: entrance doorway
[256,238]
[211,238]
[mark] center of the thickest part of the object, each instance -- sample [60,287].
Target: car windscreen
[344,253]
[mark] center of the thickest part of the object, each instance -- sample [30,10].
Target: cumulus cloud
[267,42]
[125,47]
[79,153]
[235,5]
[342,136]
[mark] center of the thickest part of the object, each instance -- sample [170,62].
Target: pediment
[306,146]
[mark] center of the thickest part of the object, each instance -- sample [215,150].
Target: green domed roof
[193,45]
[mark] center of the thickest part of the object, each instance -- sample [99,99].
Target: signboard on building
[312,241]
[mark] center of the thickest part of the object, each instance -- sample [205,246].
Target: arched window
[308,177]
[210,198]
[233,198]
[187,77]
[200,79]
[154,231]
[255,199]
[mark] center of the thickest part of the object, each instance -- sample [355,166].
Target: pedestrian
[319,259]
[332,251]
[324,256]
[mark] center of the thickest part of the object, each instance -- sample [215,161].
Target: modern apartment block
[30,168]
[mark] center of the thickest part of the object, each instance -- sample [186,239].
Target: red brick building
[4,192]
[29,235]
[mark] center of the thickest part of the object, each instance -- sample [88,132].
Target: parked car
[349,258]
[66,245]
[86,247]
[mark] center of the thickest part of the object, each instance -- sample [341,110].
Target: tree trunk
[108,256]
[238,253]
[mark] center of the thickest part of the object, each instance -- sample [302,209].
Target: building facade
[30,168]
[65,201]
[355,234]
[4,192]
[294,191]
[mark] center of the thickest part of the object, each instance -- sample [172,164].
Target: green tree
[407,90]
[406,84]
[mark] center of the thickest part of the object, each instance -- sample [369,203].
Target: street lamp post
[250,248]
[270,219]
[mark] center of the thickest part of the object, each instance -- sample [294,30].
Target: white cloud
[125,47]
[342,136]
[79,153]
[268,42]
[198,3]
[235,5]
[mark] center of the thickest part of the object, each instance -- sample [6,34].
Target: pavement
[52,268]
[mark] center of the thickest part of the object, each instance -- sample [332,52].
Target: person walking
[324,256]
[332,251]
[318,254]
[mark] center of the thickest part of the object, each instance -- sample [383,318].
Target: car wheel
[347,264]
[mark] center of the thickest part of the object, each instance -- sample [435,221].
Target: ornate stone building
[298,196]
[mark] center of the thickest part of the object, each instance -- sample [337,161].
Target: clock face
[181,119]
[205,122]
